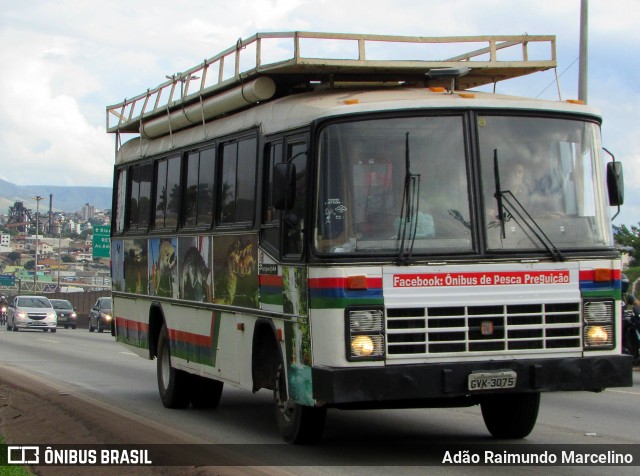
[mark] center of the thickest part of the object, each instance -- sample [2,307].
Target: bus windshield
[364,167]
[551,168]
[391,185]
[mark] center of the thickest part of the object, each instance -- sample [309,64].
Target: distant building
[88,211]
[5,243]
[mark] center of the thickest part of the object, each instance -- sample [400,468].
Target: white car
[31,312]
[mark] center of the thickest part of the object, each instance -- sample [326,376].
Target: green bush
[633,274]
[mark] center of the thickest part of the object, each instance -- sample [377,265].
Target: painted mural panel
[297,334]
[194,268]
[117,265]
[236,270]
[136,277]
[163,269]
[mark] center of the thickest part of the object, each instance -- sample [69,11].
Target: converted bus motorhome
[366,232]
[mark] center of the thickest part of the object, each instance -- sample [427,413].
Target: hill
[66,199]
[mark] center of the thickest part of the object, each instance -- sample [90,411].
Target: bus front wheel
[173,384]
[510,416]
[298,424]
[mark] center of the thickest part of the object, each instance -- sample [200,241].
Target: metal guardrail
[307,53]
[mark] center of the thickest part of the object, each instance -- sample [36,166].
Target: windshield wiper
[507,200]
[498,194]
[409,210]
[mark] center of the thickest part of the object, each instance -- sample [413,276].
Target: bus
[330,219]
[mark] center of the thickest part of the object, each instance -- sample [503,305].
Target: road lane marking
[128,353]
[625,391]
[50,340]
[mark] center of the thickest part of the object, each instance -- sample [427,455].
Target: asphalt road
[93,367]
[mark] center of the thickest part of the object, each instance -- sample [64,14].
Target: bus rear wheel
[298,424]
[510,416]
[173,384]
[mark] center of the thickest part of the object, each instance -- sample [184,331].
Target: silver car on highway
[31,312]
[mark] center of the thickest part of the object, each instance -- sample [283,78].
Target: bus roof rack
[297,61]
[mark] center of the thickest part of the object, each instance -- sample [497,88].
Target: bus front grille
[496,328]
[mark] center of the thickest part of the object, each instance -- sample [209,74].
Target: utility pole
[582,75]
[35,270]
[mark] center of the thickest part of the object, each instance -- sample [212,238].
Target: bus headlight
[365,333]
[598,317]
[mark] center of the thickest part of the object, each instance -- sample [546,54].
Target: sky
[64,61]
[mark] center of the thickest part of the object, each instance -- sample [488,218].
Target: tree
[628,237]
[13,256]
[29,265]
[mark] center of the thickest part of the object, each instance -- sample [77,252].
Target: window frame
[167,159]
[236,141]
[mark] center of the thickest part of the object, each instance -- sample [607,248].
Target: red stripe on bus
[329,283]
[270,280]
[130,324]
[589,274]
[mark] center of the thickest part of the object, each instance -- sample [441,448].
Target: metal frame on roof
[295,60]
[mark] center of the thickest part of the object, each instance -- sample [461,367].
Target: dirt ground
[35,412]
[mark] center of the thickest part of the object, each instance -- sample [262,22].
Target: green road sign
[102,241]
[7,280]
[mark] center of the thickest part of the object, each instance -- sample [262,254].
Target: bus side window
[237,182]
[167,197]
[140,196]
[199,188]
[121,199]
[270,216]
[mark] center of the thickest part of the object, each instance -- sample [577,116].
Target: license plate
[492,380]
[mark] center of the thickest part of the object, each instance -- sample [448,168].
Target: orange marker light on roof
[351,101]
[575,101]
[437,89]
[467,95]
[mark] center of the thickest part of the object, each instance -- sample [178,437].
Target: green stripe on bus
[341,303]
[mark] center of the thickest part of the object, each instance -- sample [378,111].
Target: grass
[6,470]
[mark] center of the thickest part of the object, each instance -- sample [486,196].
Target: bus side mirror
[284,186]
[615,183]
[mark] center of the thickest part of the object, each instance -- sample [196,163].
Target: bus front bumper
[435,384]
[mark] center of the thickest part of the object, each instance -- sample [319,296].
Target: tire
[72,327]
[54,330]
[66,327]
[510,416]
[297,424]
[100,329]
[91,328]
[173,384]
[204,392]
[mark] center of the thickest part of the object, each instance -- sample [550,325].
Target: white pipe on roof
[259,89]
